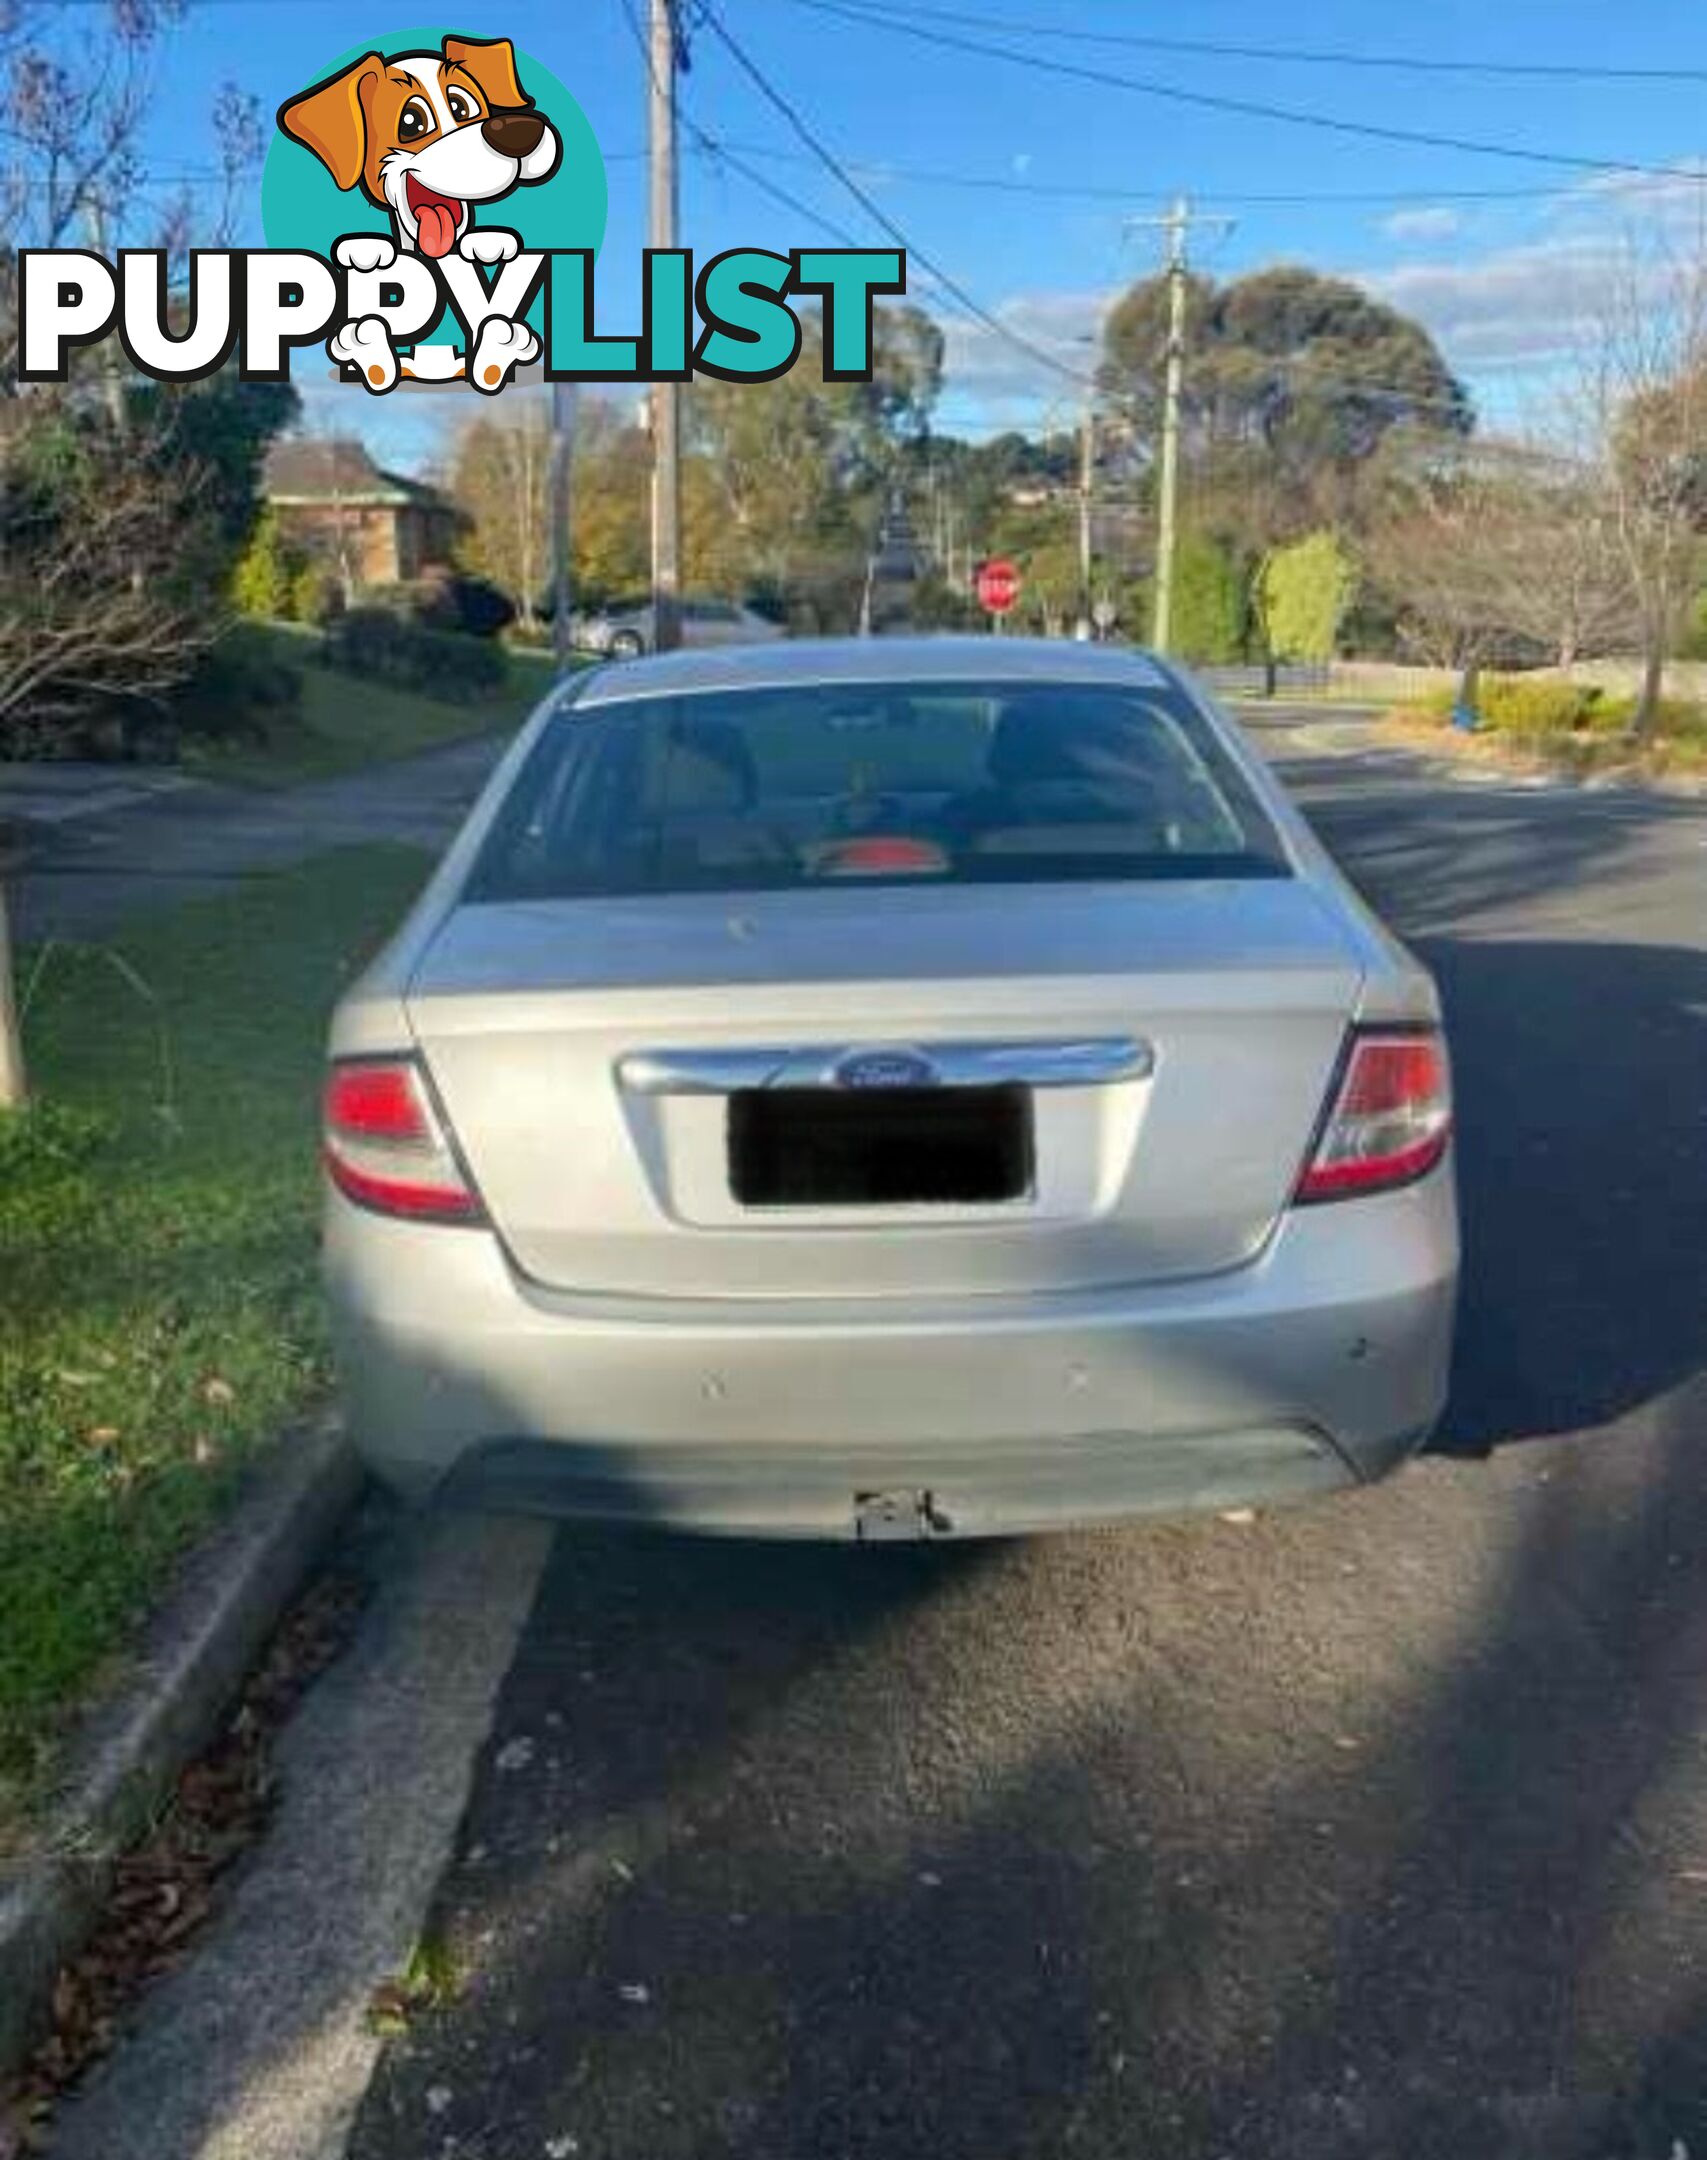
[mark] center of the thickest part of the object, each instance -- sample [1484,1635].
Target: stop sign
[997,585]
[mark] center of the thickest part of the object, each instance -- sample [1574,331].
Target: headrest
[710,768]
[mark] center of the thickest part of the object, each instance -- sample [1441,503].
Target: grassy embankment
[159,1322]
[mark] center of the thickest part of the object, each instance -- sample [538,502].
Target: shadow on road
[1453,861]
[1375,1829]
[1581,1079]
[1359,1833]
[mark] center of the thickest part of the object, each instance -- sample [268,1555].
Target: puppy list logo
[433,206]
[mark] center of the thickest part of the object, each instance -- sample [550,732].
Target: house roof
[314,469]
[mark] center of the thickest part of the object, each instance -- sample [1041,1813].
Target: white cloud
[981,365]
[1540,300]
[1679,192]
[1435,222]
[1526,305]
[1495,312]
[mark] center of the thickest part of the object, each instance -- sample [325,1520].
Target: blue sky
[1500,281]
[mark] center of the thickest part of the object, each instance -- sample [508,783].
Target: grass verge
[1543,724]
[158,1203]
[344,722]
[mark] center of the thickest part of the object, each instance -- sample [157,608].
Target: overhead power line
[883,169]
[727,156]
[718,152]
[872,17]
[833,165]
[1315,56]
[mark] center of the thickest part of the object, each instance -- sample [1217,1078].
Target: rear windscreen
[822,784]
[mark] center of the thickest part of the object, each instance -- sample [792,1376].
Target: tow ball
[887,1516]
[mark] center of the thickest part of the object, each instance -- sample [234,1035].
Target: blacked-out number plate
[879,1147]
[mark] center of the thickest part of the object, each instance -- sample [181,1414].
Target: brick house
[369,527]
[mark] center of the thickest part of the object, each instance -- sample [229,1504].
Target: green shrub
[1678,719]
[938,605]
[473,605]
[314,594]
[241,688]
[1302,595]
[375,642]
[261,582]
[1528,706]
[1209,603]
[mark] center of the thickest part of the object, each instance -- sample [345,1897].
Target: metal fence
[1293,677]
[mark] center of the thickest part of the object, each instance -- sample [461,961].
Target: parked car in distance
[626,633]
[888,1088]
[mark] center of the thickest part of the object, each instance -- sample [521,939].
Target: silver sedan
[888,1089]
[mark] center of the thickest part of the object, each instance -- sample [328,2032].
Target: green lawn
[346,721]
[158,1311]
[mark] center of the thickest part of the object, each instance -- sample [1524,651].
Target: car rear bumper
[1322,1364]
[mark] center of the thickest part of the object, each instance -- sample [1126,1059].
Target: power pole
[1177,223]
[112,371]
[562,488]
[1087,464]
[1167,507]
[666,397]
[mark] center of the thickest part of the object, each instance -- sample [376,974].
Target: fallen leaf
[388,2009]
[160,1889]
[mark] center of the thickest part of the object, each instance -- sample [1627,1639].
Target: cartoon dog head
[427,135]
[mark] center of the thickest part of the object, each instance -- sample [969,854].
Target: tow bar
[883,1517]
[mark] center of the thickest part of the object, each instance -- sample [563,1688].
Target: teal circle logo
[441,132]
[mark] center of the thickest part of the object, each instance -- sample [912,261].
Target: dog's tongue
[436,223]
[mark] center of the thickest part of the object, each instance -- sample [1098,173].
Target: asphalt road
[1375,1828]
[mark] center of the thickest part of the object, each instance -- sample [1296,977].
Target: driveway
[1374,1828]
[98,853]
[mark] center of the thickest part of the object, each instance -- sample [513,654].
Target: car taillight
[386,1147]
[1390,1118]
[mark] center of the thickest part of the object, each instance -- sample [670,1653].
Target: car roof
[888,659]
